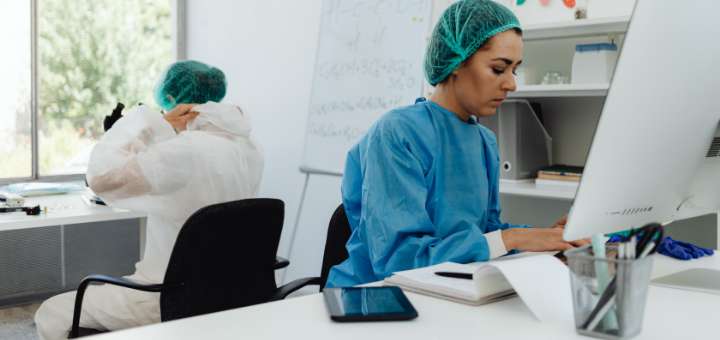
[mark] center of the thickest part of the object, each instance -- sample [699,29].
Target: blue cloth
[420,188]
[682,250]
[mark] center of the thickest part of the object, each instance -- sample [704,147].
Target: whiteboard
[369,61]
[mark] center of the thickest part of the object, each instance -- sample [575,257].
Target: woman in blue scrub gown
[421,187]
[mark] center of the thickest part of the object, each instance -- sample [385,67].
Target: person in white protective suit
[168,166]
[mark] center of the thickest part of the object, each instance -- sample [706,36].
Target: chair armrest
[280,262]
[74,330]
[285,290]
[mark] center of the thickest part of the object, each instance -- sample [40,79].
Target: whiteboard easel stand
[293,232]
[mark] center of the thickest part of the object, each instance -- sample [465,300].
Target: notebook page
[542,282]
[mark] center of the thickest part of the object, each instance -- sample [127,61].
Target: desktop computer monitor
[655,154]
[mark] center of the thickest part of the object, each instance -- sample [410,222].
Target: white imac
[655,156]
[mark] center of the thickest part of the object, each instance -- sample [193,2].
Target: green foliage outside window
[91,55]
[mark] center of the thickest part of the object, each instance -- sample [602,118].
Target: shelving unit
[570,109]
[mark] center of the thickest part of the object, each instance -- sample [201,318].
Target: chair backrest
[337,236]
[223,258]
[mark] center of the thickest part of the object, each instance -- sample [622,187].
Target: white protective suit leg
[105,307]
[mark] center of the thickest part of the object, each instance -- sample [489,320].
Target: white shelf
[561,90]
[528,188]
[577,28]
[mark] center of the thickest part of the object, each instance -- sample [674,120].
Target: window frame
[178,18]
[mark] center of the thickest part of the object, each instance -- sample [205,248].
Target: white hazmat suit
[142,164]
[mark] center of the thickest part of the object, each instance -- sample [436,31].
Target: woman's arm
[139,155]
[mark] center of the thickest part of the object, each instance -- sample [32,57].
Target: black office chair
[223,258]
[335,252]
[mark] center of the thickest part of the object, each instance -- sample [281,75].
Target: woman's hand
[561,225]
[535,239]
[561,222]
[180,116]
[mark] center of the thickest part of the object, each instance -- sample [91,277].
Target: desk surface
[64,209]
[669,314]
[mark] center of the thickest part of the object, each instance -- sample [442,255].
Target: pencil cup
[608,293]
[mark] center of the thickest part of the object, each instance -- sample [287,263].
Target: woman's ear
[456,72]
[458,69]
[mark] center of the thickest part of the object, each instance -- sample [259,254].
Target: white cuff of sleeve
[496,244]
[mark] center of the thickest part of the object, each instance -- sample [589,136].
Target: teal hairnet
[463,28]
[190,82]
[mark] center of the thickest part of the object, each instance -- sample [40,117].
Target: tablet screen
[368,304]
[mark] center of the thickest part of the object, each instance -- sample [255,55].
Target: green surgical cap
[190,82]
[463,28]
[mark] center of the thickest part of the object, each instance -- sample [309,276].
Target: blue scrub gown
[419,189]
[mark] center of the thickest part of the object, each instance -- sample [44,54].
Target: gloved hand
[112,118]
[682,250]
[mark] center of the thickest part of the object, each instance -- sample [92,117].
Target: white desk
[62,210]
[669,314]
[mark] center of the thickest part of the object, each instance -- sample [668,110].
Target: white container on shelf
[594,63]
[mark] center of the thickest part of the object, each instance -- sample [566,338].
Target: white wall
[267,50]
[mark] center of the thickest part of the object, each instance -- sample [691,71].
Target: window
[15,127]
[88,56]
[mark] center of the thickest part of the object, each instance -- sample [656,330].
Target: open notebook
[488,283]
[539,279]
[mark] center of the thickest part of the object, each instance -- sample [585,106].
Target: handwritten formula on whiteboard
[369,61]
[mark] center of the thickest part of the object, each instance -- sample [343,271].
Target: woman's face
[484,80]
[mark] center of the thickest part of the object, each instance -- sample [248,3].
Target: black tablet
[368,304]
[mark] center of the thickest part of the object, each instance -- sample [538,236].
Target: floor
[16,323]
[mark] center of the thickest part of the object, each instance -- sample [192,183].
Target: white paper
[543,284]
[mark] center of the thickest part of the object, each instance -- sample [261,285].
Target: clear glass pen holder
[617,314]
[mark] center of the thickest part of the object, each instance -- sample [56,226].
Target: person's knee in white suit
[105,307]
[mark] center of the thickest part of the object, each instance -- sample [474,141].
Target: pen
[455,275]
[650,247]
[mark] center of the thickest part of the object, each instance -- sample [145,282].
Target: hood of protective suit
[217,116]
